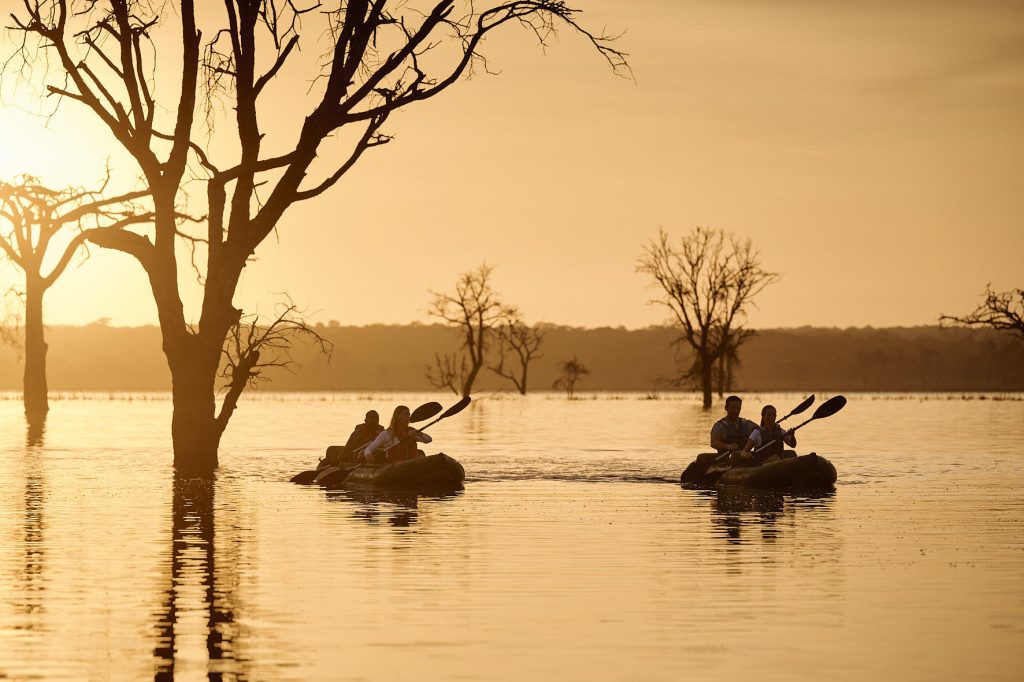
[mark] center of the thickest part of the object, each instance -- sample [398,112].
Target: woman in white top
[767,433]
[398,441]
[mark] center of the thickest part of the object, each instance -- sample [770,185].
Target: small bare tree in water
[253,348]
[474,309]
[709,282]
[378,57]
[41,225]
[572,371]
[521,342]
[1000,310]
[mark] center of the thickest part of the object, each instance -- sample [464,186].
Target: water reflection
[36,430]
[197,589]
[31,603]
[758,510]
[398,508]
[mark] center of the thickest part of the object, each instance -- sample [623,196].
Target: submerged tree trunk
[706,368]
[34,388]
[195,431]
[721,377]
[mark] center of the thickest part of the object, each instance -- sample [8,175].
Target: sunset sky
[872,150]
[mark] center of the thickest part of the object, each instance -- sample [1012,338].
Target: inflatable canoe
[432,473]
[808,472]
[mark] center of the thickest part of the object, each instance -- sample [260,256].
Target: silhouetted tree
[517,338]
[708,282]
[730,359]
[1001,310]
[374,63]
[34,219]
[572,371]
[474,310]
[253,348]
[448,372]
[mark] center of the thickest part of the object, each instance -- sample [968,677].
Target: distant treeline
[393,357]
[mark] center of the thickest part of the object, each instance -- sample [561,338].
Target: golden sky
[872,150]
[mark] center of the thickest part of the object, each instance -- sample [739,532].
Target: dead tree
[374,63]
[572,371]
[36,221]
[709,283]
[729,360]
[254,348]
[1001,310]
[449,371]
[473,310]
[517,338]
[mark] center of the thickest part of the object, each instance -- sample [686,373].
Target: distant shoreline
[393,358]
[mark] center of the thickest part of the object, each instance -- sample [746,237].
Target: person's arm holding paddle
[381,442]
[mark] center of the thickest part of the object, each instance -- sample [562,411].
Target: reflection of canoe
[804,472]
[433,473]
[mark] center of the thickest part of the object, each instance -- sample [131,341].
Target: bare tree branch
[1000,310]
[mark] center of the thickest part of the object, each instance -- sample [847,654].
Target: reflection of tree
[36,430]
[193,560]
[30,600]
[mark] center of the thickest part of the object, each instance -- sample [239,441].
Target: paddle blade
[830,407]
[803,406]
[424,411]
[305,478]
[456,408]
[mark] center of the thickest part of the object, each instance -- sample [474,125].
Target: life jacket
[361,435]
[767,436]
[406,448]
[735,433]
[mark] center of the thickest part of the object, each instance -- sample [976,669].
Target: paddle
[336,477]
[802,407]
[826,409]
[424,411]
[451,411]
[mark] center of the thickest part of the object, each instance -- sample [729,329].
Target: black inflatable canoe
[808,472]
[433,473]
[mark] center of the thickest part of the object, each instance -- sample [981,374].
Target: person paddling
[731,431]
[398,441]
[768,433]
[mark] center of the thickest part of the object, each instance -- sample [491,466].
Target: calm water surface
[571,554]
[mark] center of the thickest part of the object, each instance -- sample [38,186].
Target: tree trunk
[707,367]
[34,388]
[195,431]
[467,386]
[721,377]
[728,374]
[522,384]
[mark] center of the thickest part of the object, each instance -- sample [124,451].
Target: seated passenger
[398,441]
[731,431]
[361,435]
[768,433]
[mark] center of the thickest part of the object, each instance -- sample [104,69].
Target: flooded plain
[572,553]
